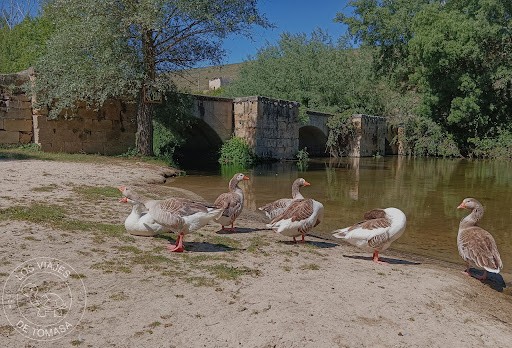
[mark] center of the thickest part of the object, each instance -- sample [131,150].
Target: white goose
[179,215]
[277,207]
[231,202]
[477,246]
[298,219]
[380,228]
[139,222]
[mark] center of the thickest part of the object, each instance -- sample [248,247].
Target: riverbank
[247,289]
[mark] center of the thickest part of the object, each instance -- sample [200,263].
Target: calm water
[427,190]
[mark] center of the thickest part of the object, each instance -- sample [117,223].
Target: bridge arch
[314,139]
[202,145]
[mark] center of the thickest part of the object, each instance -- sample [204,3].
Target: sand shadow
[240,230]
[198,246]
[316,244]
[385,259]
[494,280]
[204,247]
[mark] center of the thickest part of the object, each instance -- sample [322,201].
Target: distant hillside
[196,80]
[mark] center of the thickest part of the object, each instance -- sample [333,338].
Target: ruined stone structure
[370,137]
[109,130]
[271,127]
[15,110]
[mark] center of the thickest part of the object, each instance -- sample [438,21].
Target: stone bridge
[270,126]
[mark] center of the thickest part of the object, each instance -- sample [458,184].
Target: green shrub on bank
[341,132]
[302,159]
[424,137]
[498,148]
[236,151]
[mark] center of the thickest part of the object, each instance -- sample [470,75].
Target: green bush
[171,120]
[424,137]
[498,148]
[341,132]
[236,151]
[303,159]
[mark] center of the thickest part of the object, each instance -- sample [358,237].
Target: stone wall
[15,110]
[370,138]
[109,130]
[216,112]
[269,126]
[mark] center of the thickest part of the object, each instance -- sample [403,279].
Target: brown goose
[298,219]
[180,215]
[380,228]
[477,246]
[277,207]
[232,202]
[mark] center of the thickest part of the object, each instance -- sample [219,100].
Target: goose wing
[231,202]
[477,246]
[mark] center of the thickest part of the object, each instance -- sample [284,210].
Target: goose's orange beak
[306,183]
[121,188]
[461,206]
[123,200]
[246,177]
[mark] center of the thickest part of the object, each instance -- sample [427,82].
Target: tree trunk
[144,128]
[145,110]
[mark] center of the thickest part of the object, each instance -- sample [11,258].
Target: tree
[113,48]
[312,70]
[23,44]
[456,54]
[13,12]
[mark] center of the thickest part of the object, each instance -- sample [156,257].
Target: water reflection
[427,190]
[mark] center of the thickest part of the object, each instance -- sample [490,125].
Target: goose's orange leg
[178,247]
[376,258]
[232,229]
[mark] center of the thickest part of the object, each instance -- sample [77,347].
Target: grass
[37,213]
[32,151]
[112,266]
[119,296]
[55,216]
[310,266]
[256,244]
[96,193]
[154,324]
[47,188]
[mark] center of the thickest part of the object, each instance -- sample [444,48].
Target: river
[427,190]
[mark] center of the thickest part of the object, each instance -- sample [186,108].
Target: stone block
[18,125]
[93,147]
[9,137]
[101,124]
[22,97]
[25,137]
[73,147]
[22,114]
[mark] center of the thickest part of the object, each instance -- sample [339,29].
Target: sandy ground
[247,289]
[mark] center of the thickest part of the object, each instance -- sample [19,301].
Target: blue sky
[293,16]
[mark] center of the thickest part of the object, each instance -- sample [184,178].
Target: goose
[277,207]
[139,222]
[298,219]
[179,215]
[477,246]
[380,228]
[231,202]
